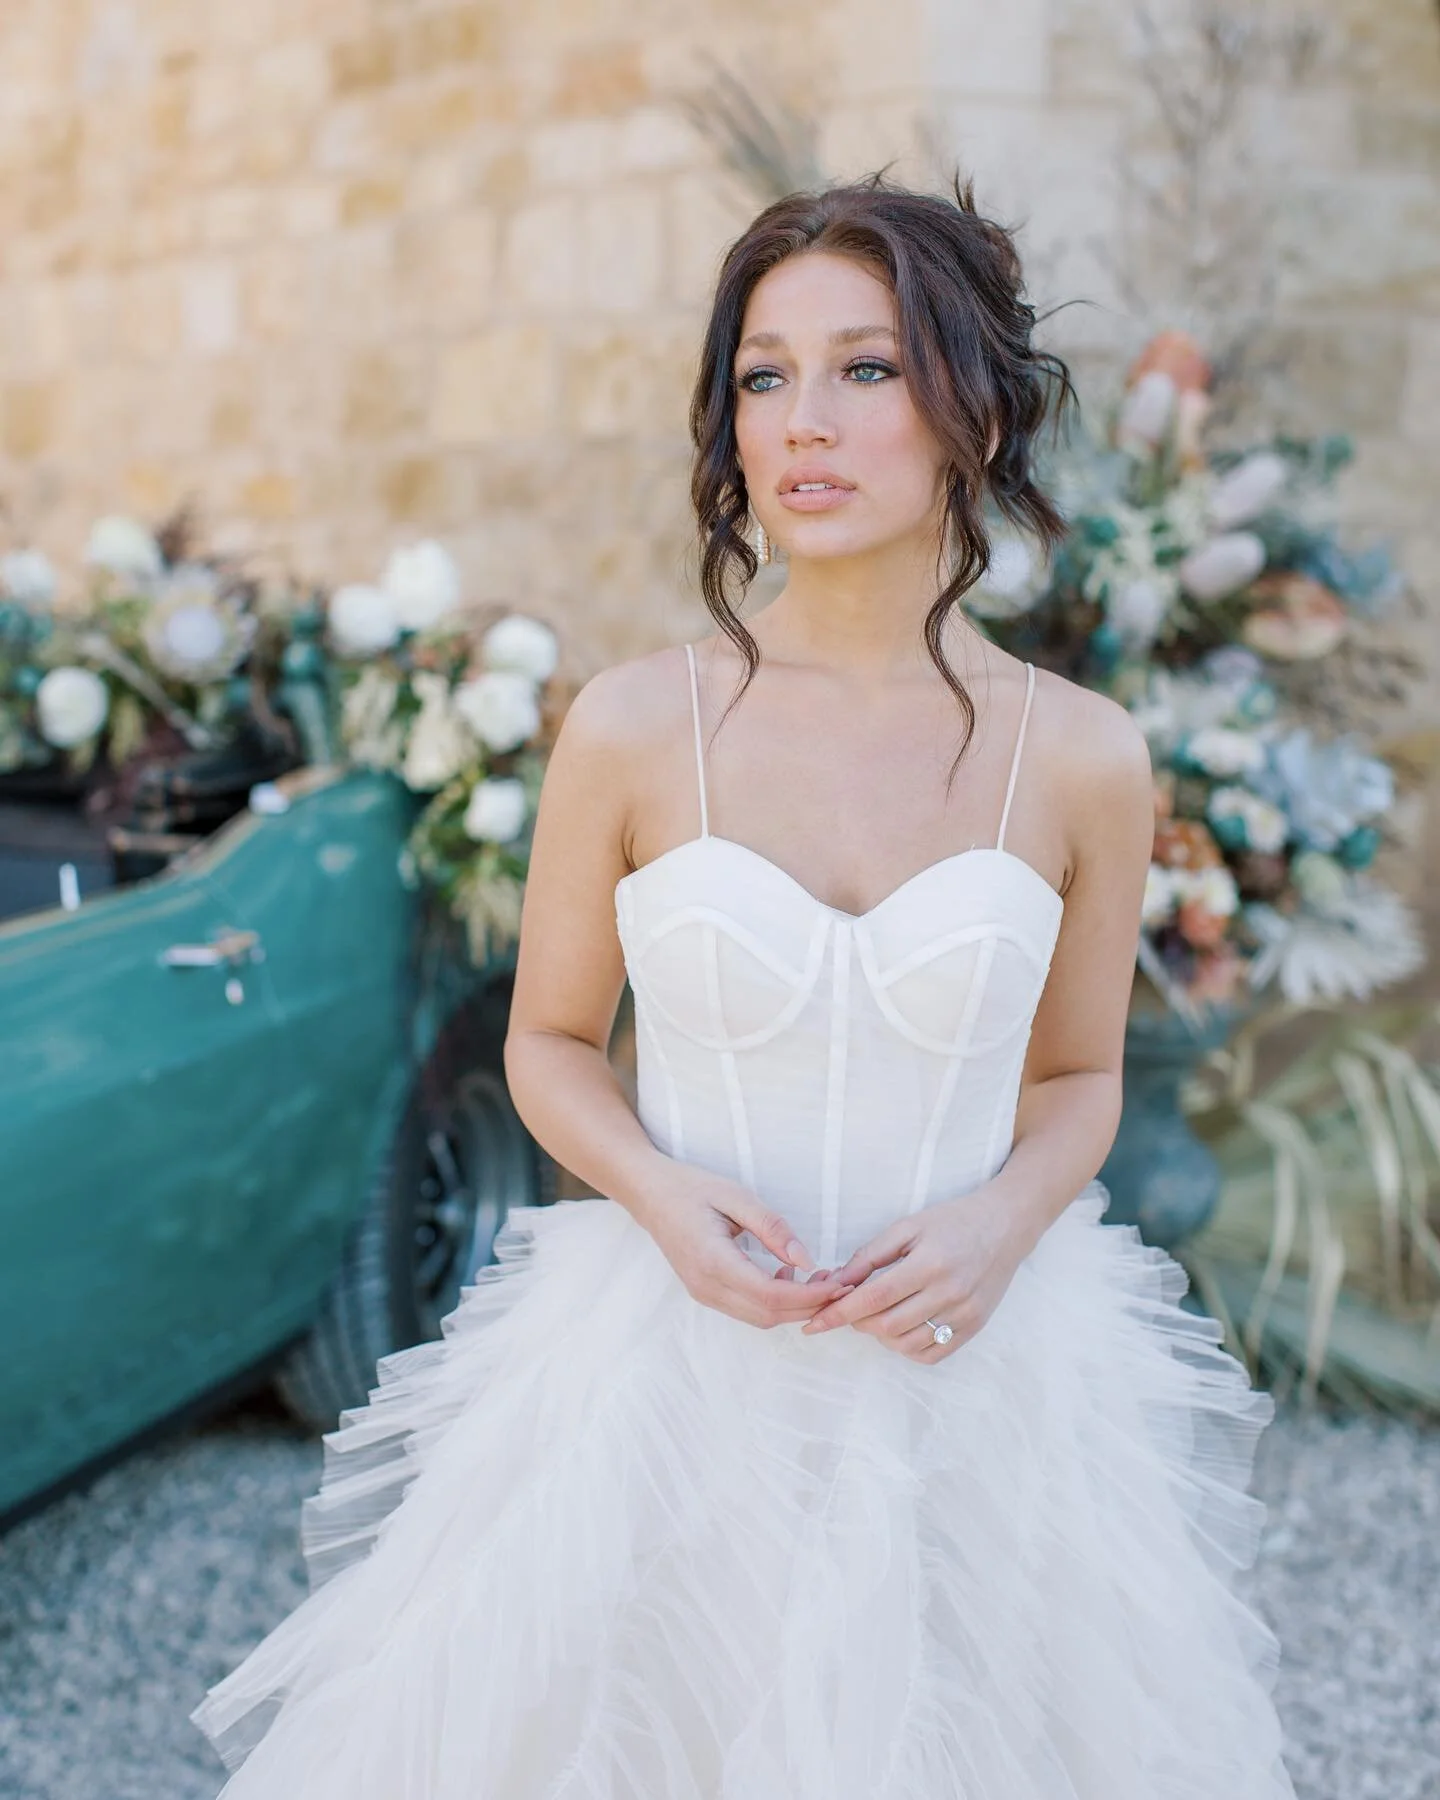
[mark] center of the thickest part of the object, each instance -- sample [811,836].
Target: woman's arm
[953,1261]
[620,730]
[1069,1107]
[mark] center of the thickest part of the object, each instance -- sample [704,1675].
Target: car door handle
[228,947]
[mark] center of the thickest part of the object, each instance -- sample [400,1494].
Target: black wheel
[459,1160]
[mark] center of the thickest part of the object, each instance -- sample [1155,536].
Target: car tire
[457,1163]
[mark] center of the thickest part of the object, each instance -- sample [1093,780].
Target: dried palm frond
[1323,1258]
[768,144]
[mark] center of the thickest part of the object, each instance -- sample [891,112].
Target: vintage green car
[253,1120]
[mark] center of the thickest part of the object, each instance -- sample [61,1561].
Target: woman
[841,1453]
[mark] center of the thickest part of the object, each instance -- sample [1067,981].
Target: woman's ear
[994,443]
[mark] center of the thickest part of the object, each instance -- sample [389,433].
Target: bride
[842,1452]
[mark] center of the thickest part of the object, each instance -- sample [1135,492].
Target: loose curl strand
[975,375]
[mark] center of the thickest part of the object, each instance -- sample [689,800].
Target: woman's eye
[868,371]
[759,381]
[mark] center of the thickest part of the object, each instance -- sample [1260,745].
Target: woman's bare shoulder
[1095,759]
[1087,733]
[629,709]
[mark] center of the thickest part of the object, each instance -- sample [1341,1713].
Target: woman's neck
[860,615]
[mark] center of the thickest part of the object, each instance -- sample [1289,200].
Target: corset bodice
[847,1068]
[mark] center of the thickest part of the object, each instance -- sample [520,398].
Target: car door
[319,881]
[140,1082]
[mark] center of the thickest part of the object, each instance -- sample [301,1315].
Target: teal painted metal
[1161,1178]
[178,1171]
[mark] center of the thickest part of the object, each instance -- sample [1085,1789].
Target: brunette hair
[974,374]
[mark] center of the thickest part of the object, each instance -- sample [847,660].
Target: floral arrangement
[460,720]
[163,652]
[166,652]
[1192,585]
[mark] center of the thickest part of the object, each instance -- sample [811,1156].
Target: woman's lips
[815,499]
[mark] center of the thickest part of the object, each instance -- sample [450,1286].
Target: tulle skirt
[647,1552]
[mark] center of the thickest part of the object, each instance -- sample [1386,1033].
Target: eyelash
[887,371]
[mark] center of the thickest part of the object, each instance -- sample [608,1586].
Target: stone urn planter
[1160,1176]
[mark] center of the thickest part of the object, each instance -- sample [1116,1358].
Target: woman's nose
[809,420]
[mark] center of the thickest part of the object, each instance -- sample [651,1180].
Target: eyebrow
[847,334]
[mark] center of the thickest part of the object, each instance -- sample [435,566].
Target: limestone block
[423,114]
[233,215]
[1344,373]
[1398,137]
[877,50]
[344,142]
[210,306]
[566,153]
[289,74]
[704,214]
[28,416]
[442,37]
[414,490]
[272,283]
[623,255]
[654,138]
[150,489]
[147,311]
[976,47]
[371,197]
[446,270]
[541,255]
[176,416]
[309,209]
[367,60]
[605,78]
[386,391]
[38,338]
[232,419]
[636,383]
[499,384]
[1420,403]
[269,494]
[351,282]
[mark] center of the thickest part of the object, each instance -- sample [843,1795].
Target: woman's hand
[950,1262]
[696,1221]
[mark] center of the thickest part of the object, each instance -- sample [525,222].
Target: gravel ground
[119,1605]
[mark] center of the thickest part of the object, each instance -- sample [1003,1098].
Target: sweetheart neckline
[958,856]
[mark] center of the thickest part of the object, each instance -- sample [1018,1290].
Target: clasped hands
[951,1261]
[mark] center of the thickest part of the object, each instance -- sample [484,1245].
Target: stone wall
[347,271]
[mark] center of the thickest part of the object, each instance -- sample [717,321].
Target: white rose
[423,583]
[1266,827]
[1214,888]
[1243,493]
[1148,411]
[71,705]
[1220,751]
[1137,611]
[439,746]
[523,646]
[496,813]
[124,547]
[1160,896]
[29,577]
[500,708]
[361,620]
[1223,566]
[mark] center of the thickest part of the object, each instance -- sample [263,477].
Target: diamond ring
[943,1333]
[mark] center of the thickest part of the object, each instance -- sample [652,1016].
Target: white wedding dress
[648,1552]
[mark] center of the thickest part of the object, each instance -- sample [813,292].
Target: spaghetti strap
[699,748]
[1015,759]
